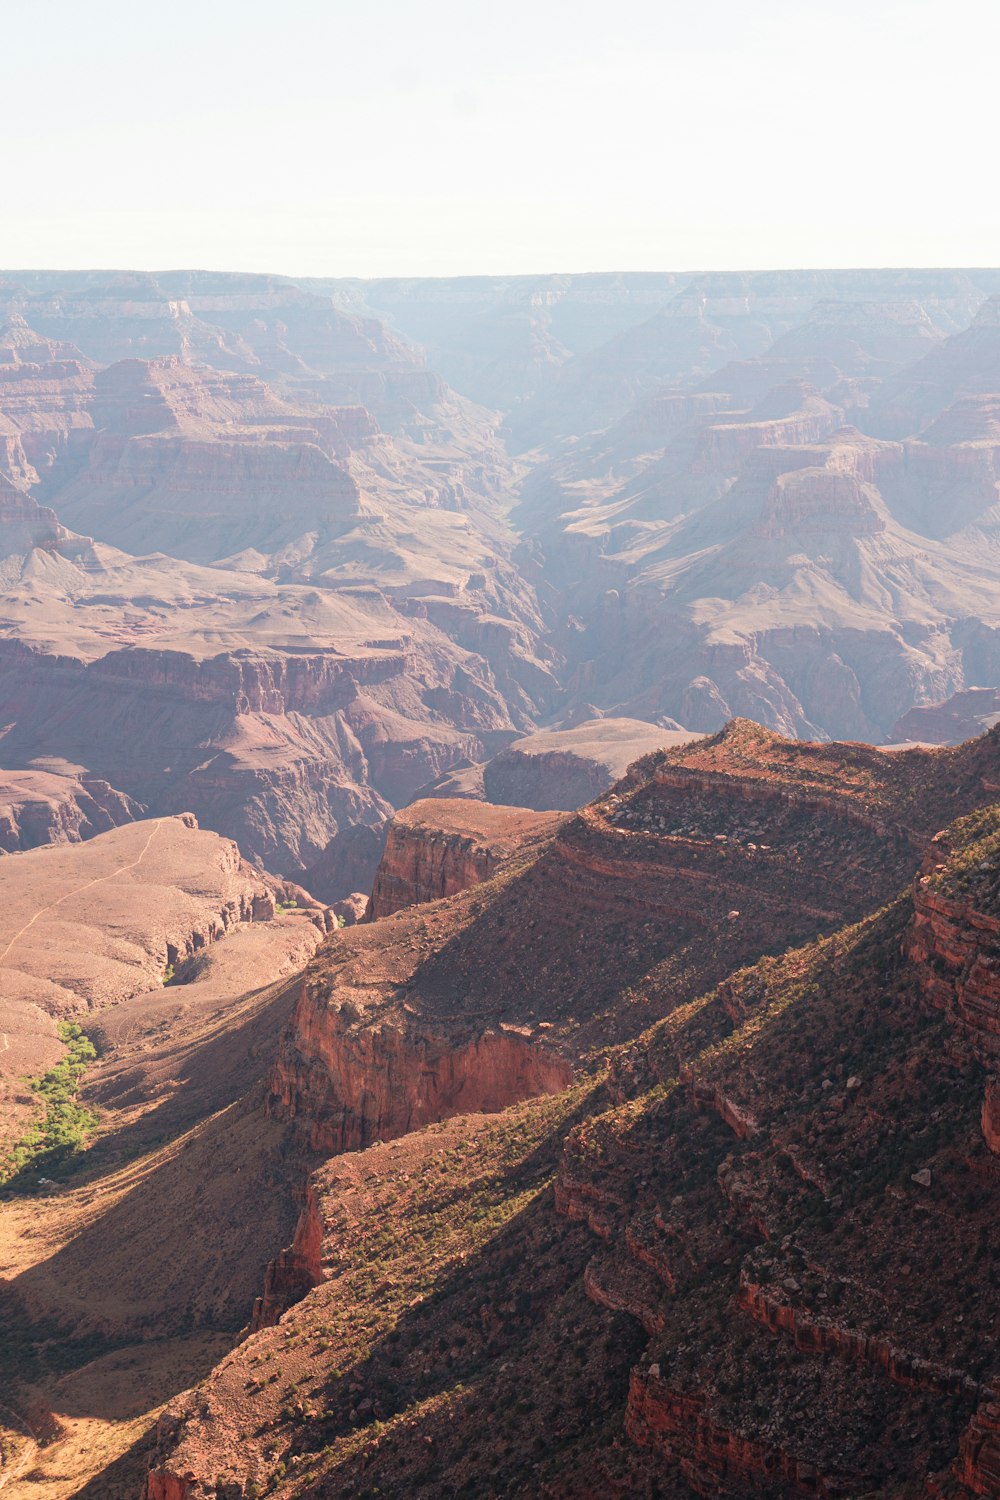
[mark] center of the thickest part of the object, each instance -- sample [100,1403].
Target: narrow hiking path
[78,890]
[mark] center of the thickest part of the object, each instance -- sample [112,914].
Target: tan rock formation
[52,803]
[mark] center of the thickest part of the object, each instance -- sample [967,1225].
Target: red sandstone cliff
[347,1082]
[440,846]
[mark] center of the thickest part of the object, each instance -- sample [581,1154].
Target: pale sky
[432,137]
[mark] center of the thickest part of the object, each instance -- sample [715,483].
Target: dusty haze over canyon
[499,885]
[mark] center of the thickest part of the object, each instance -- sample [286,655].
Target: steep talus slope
[788,1183]
[860,1158]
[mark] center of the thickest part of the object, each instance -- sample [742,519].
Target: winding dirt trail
[78,890]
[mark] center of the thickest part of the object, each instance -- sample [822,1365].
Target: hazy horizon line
[728,270]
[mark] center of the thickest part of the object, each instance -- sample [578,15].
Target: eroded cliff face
[44,806]
[347,1082]
[161,1484]
[282,748]
[978,1465]
[711,1459]
[955,942]
[366,627]
[753,1202]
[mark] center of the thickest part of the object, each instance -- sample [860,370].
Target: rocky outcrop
[161,1483]
[815,1334]
[440,846]
[294,1271]
[268,682]
[712,1459]
[954,942]
[991,1116]
[776,1168]
[978,1465]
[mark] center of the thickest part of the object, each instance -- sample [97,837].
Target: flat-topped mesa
[143,396]
[820,501]
[788,415]
[958,718]
[439,846]
[564,768]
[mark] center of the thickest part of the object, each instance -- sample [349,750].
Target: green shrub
[54,1140]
